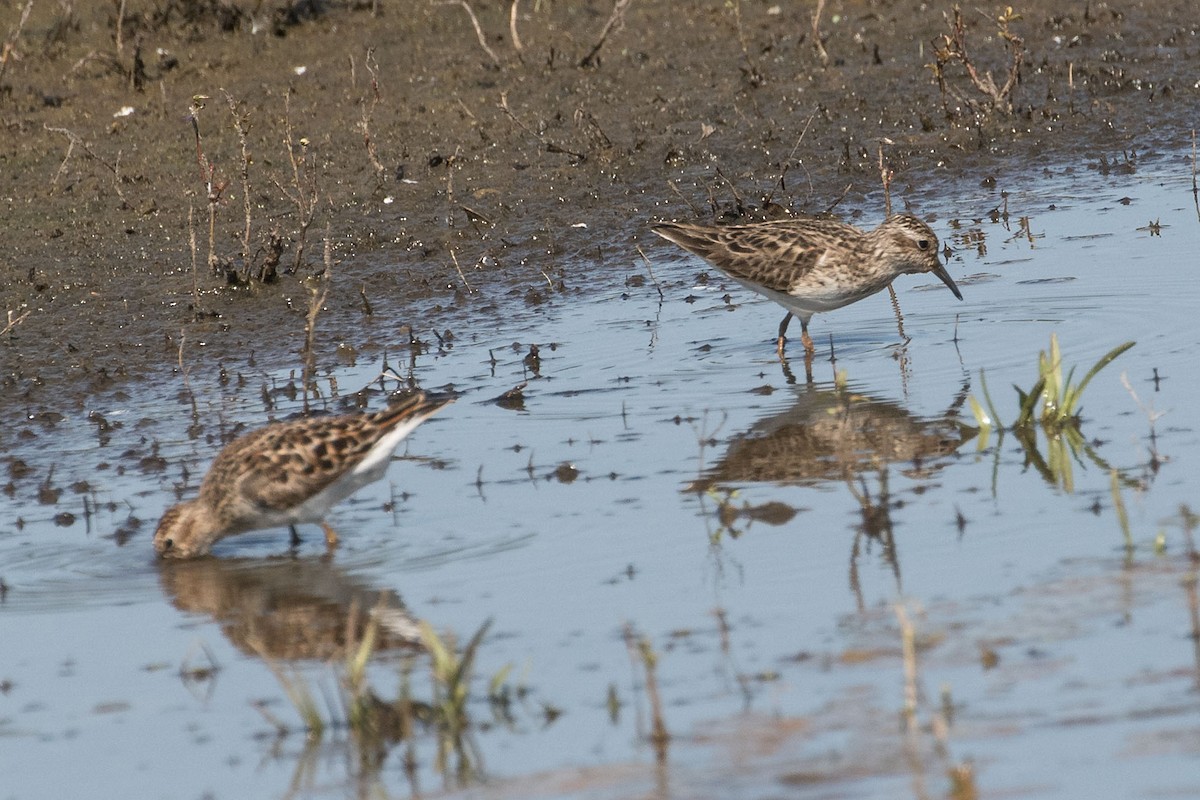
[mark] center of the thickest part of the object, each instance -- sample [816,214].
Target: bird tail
[692,238]
[412,407]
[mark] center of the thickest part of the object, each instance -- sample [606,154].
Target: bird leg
[782,340]
[805,339]
[295,535]
[331,537]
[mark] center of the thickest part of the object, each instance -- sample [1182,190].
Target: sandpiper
[812,265]
[290,473]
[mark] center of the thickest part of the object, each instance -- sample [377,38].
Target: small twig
[478,30]
[1152,417]
[953,47]
[241,124]
[10,42]
[1195,191]
[787,161]
[690,204]
[836,203]
[885,175]
[751,70]
[316,301]
[614,23]
[550,146]
[818,45]
[192,245]
[208,170]
[120,27]
[512,27]
[368,112]
[75,139]
[641,649]
[454,258]
[909,649]
[304,193]
[13,322]
[650,269]
[184,372]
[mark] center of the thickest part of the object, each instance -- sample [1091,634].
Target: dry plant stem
[120,27]
[1119,507]
[10,42]
[478,30]
[658,727]
[787,162]
[1152,417]
[458,269]
[909,649]
[680,195]
[213,189]
[653,279]
[241,124]
[185,373]
[368,112]
[316,301]
[192,245]
[512,28]
[640,646]
[614,23]
[13,322]
[75,139]
[818,45]
[304,193]
[955,49]
[885,175]
[1195,191]
[751,67]
[550,146]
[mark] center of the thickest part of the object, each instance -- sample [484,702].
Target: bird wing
[774,255]
[282,465]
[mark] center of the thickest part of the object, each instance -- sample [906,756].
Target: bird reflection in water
[834,434]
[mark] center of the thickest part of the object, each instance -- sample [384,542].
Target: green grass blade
[1119,505]
[987,398]
[1028,402]
[1077,391]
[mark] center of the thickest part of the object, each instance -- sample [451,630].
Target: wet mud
[449,184]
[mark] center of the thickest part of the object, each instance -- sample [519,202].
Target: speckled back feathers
[784,255]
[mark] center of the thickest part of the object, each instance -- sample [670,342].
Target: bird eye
[168,544]
[923,244]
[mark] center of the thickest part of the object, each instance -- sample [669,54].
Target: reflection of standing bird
[812,265]
[290,473]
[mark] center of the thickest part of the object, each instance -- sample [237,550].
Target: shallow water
[665,473]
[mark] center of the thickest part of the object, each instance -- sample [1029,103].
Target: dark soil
[501,184]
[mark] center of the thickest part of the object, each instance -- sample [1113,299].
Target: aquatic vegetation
[1060,397]
[376,724]
[1058,419]
[641,651]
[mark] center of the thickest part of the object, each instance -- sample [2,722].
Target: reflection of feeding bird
[813,265]
[290,473]
[290,608]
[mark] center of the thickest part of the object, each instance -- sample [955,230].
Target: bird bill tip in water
[946,279]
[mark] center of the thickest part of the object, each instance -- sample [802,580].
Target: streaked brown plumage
[290,473]
[813,265]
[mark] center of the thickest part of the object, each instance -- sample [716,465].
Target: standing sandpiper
[811,265]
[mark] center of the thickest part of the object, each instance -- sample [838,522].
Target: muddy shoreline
[457,191]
